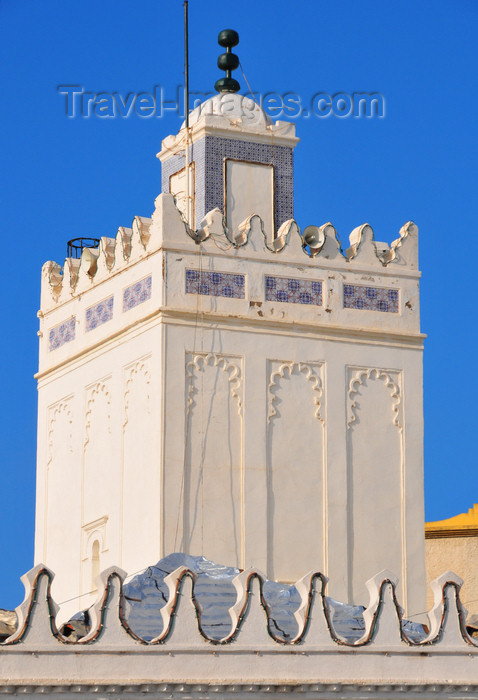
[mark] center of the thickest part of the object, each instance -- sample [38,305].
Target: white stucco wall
[278,435]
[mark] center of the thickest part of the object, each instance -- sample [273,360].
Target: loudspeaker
[313,236]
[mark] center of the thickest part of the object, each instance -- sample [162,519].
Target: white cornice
[175,144]
[214,319]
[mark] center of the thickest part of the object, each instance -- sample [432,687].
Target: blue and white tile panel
[209,155]
[358,296]
[61,334]
[215,284]
[137,293]
[293,291]
[99,313]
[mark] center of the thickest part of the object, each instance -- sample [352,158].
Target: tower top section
[231,145]
[232,116]
[227,186]
[228,155]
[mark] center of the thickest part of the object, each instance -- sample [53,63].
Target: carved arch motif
[98,389]
[199,362]
[311,373]
[62,408]
[391,380]
[141,367]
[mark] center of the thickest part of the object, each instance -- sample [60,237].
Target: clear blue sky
[63,177]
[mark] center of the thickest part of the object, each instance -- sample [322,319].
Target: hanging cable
[247,83]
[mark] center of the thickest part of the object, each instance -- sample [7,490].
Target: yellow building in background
[453,544]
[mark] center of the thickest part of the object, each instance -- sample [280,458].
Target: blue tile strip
[370,298]
[293,291]
[137,293]
[61,334]
[215,284]
[99,313]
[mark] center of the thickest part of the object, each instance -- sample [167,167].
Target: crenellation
[444,587]
[140,237]
[105,259]
[51,283]
[254,629]
[381,590]
[71,268]
[250,662]
[331,249]
[106,256]
[363,248]
[313,615]
[288,238]
[404,250]
[87,271]
[251,232]
[122,248]
[212,225]
[359,282]
[251,622]
[167,230]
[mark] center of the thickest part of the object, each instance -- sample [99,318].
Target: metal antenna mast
[186,109]
[186,63]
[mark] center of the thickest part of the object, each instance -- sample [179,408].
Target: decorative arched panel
[295,469]
[141,498]
[213,465]
[97,453]
[374,476]
[59,476]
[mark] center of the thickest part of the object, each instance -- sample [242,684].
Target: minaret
[219,384]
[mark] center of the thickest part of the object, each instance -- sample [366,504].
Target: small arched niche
[95,563]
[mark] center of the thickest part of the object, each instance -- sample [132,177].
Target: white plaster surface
[281,436]
[156,430]
[255,183]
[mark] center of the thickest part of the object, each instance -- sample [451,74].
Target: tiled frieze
[61,334]
[215,284]
[137,293]
[293,291]
[358,296]
[99,313]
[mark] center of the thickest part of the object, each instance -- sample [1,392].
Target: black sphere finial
[227,61]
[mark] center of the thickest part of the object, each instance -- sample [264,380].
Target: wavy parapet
[167,228]
[251,622]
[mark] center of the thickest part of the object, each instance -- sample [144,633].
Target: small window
[95,563]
